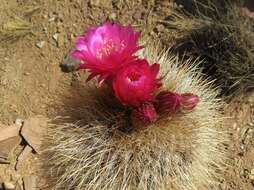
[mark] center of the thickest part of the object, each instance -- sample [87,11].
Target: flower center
[133,77]
[108,46]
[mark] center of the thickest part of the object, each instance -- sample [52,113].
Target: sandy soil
[32,83]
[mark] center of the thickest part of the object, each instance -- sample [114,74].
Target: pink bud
[146,113]
[168,102]
[189,101]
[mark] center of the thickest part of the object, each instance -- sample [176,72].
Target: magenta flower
[170,102]
[105,49]
[146,113]
[136,83]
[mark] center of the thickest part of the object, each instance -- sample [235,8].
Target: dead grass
[224,40]
[15,29]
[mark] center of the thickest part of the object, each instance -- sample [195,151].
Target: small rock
[9,131]
[43,85]
[30,182]
[251,176]
[33,131]
[15,176]
[244,173]
[19,121]
[137,15]
[23,156]
[55,36]
[235,126]
[18,187]
[60,41]
[112,16]
[60,17]
[52,19]
[251,124]
[73,36]
[40,44]
[9,186]
[100,3]
[160,28]
[59,28]
[8,145]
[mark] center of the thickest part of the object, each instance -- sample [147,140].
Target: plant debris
[223,37]
[15,29]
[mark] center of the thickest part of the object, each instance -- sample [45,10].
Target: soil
[31,82]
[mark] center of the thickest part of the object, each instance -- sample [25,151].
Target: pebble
[40,44]
[251,176]
[19,121]
[112,16]
[251,124]
[137,15]
[60,17]
[60,41]
[160,28]
[9,186]
[15,176]
[55,36]
[244,173]
[100,3]
[52,19]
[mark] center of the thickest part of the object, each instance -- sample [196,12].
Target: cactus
[101,147]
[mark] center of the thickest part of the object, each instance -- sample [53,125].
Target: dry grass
[224,40]
[94,152]
[14,29]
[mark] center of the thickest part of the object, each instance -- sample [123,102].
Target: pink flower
[170,102]
[146,113]
[105,49]
[136,83]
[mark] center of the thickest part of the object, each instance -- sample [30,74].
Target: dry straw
[223,36]
[98,148]
[14,29]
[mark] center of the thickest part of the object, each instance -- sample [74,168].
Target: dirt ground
[31,82]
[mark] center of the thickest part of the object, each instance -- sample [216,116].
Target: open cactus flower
[152,123]
[103,50]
